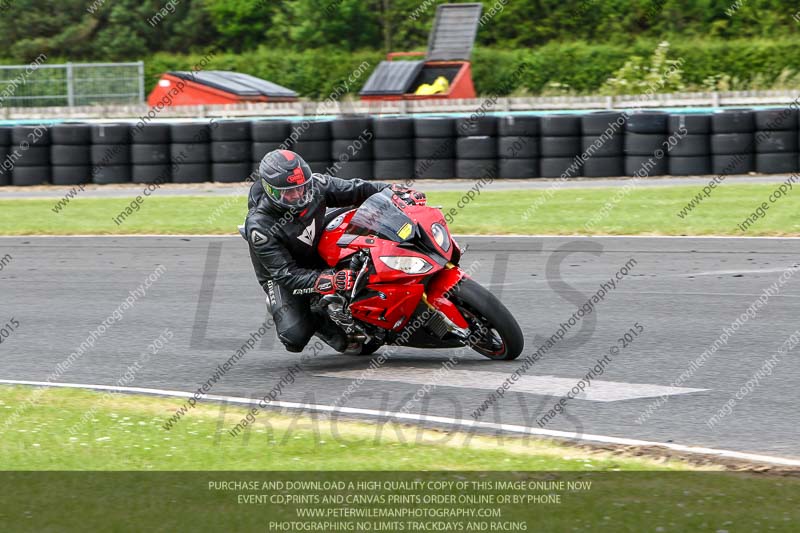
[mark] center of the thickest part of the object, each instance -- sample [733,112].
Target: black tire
[560,146]
[321,167]
[35,156]
[733,121]
[484,311]
[600,122]
[111,134]
[725,164]
[776,142]
[231,172]
[689,166]
[782,163]
[691,145]
[476,127]
[33,135]
[70,155]
[231,131]
[393,128]
[269,131]
[190,132]
[476,168]
[230,152]
[646,166]
[349,170]
[597,146]
[434,168]
[393,169]
[517,168]
[5,136]
[70,175]
[151,173]
[476,148]
[393,148]
[150,154]
[519,126]
[425,127]
[30,175]
[310,130]
[110,154]
[111,174]
[556,167]
[644,143]
[71,134]
[732,143]
[190,152]
[351,150]
[689,123]
[517,147]
[351,127]
[647,122]
[313,150]
[152,133]
[259,149]
[778,119]
[601,167]
[435,147]
[560,125]
[191,173]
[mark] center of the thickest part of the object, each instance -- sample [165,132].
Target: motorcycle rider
[284,224]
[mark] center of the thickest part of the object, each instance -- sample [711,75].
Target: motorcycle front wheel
[494,332]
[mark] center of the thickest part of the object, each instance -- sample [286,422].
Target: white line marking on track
[456,423]
[598,391]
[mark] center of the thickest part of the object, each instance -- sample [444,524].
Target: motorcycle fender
[439,289]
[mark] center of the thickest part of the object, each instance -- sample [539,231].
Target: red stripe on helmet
[288,154]
[297,176]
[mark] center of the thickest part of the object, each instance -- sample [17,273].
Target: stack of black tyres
[267,135]
[646,144]
[110,153]
[560,146]
[476,147]
[732,141]
[70,153]
[434,147]
[190,152]
[32,143]
[230,151]
[150,153]
[776,141]
[690,144]
[393,148]
[351,147]
[312,140]
[5,163]
[518,146]
[602,144]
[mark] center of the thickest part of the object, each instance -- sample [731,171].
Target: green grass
[125,435]
[642,211]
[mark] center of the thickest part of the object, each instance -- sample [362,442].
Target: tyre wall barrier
[396,148]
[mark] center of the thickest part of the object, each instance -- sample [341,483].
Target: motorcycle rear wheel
[494,330]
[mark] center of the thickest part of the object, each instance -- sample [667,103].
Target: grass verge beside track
[642,211]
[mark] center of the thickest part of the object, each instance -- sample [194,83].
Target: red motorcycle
[409,289]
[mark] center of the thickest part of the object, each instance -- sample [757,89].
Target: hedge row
[582,66]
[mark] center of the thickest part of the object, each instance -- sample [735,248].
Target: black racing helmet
[286,179]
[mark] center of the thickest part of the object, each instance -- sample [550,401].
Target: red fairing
[394,310]
[327,248]
[426,217]
[438,290]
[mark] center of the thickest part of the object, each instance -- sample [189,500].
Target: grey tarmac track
[683,291]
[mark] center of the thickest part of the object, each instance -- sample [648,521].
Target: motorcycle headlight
[441,236]
[407,264]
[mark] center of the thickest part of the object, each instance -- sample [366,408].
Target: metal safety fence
[39,84]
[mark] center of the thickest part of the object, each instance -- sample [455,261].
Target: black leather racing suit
[283,248]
